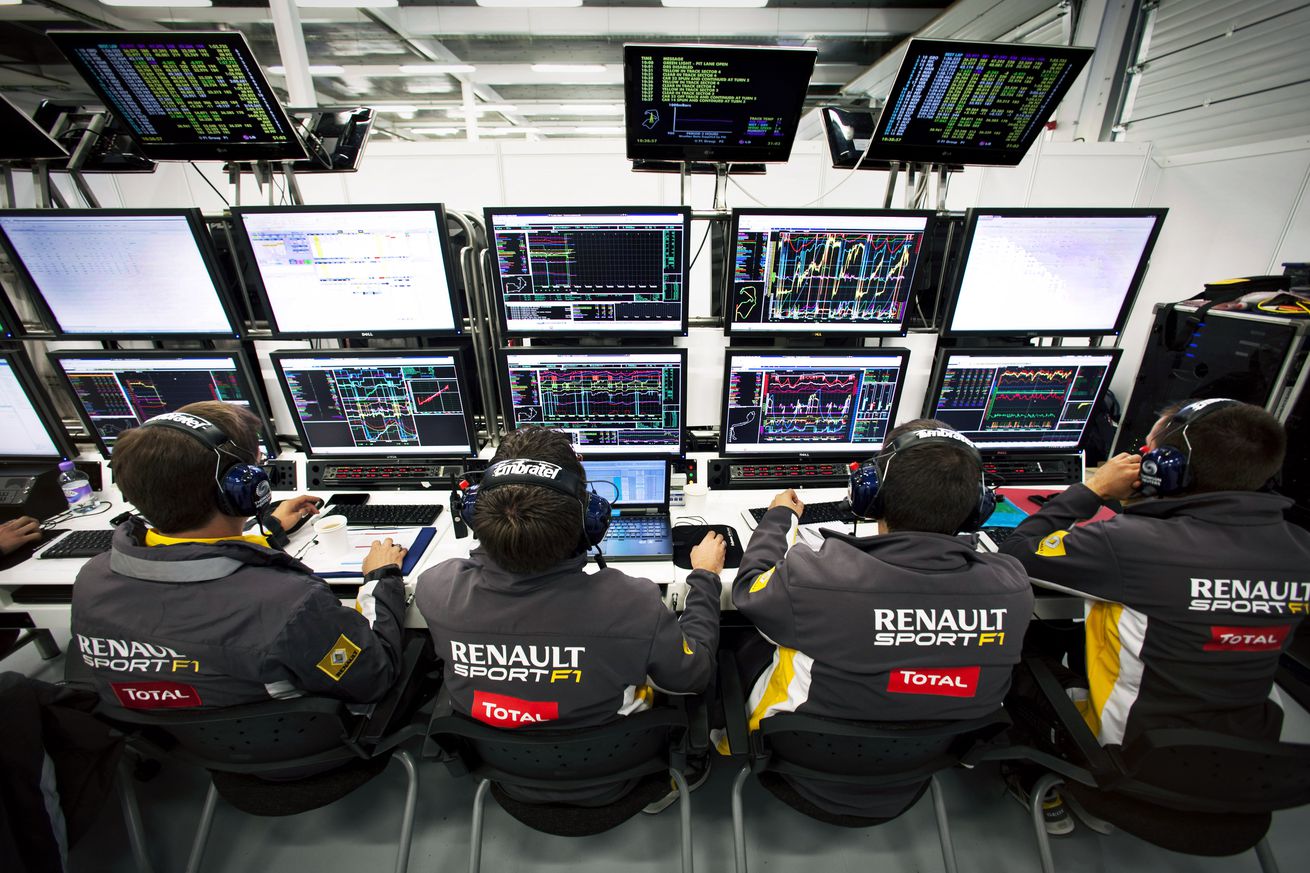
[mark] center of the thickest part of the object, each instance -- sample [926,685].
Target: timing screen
[23,434]
[351,272]
[108,275]
[378,406]
[800,403]
[848,273]
[591,272]
[1046,274]
[1022,402]
[608,403]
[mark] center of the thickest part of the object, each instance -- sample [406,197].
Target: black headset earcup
[863,491]
[983,511]
[596,515]
[1163,472]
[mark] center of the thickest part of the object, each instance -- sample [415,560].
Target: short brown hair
[933,488]
[1236,448]
[169,476]
[528,528]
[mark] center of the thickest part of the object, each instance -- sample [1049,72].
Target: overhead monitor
[31,430]
[836,271]
[807,402]
[119,272]
[608,401]
[410,403]
[714,102]
[117,391]
[1038,399]
[185,96]
[957,102]
[352,270]
[1050,272]
[849,131]
[590,270]
[22,139]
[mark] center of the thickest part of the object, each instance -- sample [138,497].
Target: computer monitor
[629,481]
[185,96]
[836,271]
[810,402]
[958,102]
[609,401]
[1035,399]
[590,270]
[410,403]
[1050,272]
[117,391]
[32,431]
[119,272]
[10,324]
[714,102]
[352,270]
[849,131]
[22,139]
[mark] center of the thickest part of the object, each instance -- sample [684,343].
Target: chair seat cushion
[567,820]
[780,788]
[268,797]
[1192,833]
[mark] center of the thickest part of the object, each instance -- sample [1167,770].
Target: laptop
[639,492]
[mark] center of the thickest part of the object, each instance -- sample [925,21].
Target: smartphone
[352,499]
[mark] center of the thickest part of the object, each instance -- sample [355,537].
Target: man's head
[169,476]
[1237,447]
[931,487]
[529,528]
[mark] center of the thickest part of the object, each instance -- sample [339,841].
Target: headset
[1165,470]
[865,492]
[242,489]
[596,510]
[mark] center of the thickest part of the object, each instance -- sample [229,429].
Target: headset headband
[524,471]
[937,435]
[202,429]
[1199,409]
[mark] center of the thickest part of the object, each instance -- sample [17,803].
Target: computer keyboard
[639,528]
[998,535]
[386,514]
[817,513]
[81,544]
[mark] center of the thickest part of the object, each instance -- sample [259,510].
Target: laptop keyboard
[646,527]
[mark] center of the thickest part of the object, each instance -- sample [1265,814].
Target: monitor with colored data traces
[32,431]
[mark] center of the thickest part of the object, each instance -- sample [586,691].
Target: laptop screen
[632,483]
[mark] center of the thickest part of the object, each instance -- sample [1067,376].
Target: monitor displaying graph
[609,402]
[814,401]
[585,270]
[1030,399]
[822,270]
[346,403]
[30,432]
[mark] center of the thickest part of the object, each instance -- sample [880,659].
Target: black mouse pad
[686,536]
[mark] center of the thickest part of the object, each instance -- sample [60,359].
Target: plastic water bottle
[77,488]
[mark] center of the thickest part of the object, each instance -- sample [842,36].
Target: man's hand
[789,499]
[383,554]
[709,554]
[1118,478]
[291,512]
[17,533]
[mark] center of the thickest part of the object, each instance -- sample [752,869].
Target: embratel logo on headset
[539,469]
[187,419]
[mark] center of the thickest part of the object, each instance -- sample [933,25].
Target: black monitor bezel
[11,326]
[971,225]
[760,449]
[31,385]
[36,133]
[246,248]
[452,352]
[598,351]
[491,212]
[67,41]
[971,155]
[246,376]
[945,354]
[204,244]
[720,154]
[818,327]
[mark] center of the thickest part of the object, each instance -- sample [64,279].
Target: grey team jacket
[1197,596]
[220,624]
[898,627]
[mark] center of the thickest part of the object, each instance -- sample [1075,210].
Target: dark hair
[529,528]
[931,488]
[169,476]
[1237,448]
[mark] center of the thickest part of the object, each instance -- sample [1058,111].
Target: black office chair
[1191,791]
[646,748]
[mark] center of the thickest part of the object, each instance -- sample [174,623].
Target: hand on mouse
[710,553]
[18,532]
[294,511]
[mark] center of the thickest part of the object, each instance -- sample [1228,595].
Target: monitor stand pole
[891,185]
[263,171]
[721,186]
[90,137]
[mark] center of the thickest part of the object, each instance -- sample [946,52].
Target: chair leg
[1268,863]
[684,815]
[411,803]
[475,835]
[202,832]
[943,825]
[1044,784]
[739,820]
[136,836]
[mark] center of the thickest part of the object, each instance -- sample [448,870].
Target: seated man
[530,638]
[192,613]
[909,625]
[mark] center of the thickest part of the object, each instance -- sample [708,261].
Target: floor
[358,833]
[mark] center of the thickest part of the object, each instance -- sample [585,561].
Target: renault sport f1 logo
[539,469]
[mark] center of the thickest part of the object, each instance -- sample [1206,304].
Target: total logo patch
[501,710]
[938,681]
[155,695]
[1247,639]
[340,658]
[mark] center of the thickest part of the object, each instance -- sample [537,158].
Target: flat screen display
[27,434]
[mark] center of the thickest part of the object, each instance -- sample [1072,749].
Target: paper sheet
[361,540]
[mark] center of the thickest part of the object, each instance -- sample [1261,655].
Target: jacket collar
[1233,508]
[494,576]
[188,561]
[913,549]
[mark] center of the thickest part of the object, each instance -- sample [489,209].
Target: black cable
[706,236]
[68,515]
[211,184]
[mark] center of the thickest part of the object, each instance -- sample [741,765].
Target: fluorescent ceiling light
[720,4]
[16,2]
[436,131]
[592,109]
[189,3]
[435,69]
[348,4]
[484,107]
[314,70]
[397,108]
[429,86]
[524,4]
[506,131]
[595,130]
[568,68]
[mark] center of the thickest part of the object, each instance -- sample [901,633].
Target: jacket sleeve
[1055,550]
[332,650]
[760,590]
[681,657]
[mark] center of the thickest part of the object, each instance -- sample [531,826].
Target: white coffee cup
[693,494]
[333,537]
